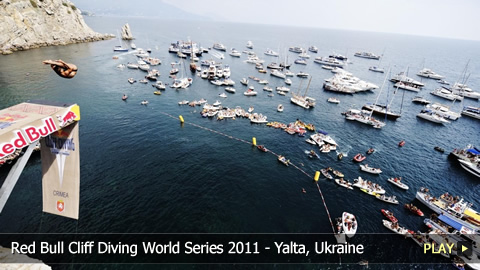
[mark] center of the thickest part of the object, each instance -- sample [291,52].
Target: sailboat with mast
[120,48]
[303,101]
[384,110]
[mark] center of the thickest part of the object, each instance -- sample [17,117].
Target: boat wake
[345,152]
[217,55]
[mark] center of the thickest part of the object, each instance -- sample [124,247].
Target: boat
[401,143]
[326,173]
[370,151]
[367,55]
[394,227]
[327,67]
[223,95]
[183,102]
[281,93]
[443,82]
[456,209]
[302,74]
[124,98]
[428,73]
[303,101]
[338,56]
[344,183]
[421,100]
[271,53]
[471,111]
[387,199]
[359,157]
[283,160]
[158,93]
[230,89]
[376,69]
[313,49]
[402,77]
[132,80]
[282,89]
[262,148]
[296,49]
[446,94]
[333,100]
[412,208]
[145,102]
[371,170]
[381,110]
[389,215]
[235,53]
[268,89]
[278,74]
[312,154]
[368,186]
[338,173]
[280,108]
[471,167]
[439,149]
[263,82]
[287,81]
[250,92]
[219,46]
[144,81]
[432,117]
[464,91]
[349,224]
[300,61]
[132,66]
[120,48]
[249,44]
[329,61]
[398,182]
[244,81]
[407,86]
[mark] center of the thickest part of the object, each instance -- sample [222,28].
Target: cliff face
[26,24]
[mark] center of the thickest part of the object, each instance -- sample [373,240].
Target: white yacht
[235,53]
[428,73]
[402,77]
[220,47]
[464,91]
[329,61]
[376,69]
[313,49]
[271,53]
[471,167]
[432,117]
[278,74]
[444,111]
[288,82]
[304,55]
[230,89]
[296,49]
[249,44]
[363,117]
[471,111]
[421,100]
[407,86]
[368,55]
[300,61]
[446,94]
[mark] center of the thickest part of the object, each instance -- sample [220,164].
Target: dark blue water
[143,172]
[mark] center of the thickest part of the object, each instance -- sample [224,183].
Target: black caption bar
[221,248]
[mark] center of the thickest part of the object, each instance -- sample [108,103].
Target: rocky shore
[28,24]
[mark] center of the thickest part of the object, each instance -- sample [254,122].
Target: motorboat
[288,73]
[283,160]
[334,87]
[359,157]
[219,46]
[158,93]
[371,170]
[312,154]
[271,53]
[278,74]
[349,224]
[443,82]
[401,143]
[302,74]
[333,100]
[249,44]
[124,97]
[274,65]
[230,89]
[160,85]
[376,69]
[222,95]
[280,108]
[145,102]
[327,67]
[250,92]
[132,80]
[471,167]
[337,173]
[428,73]
[367,55]
[389,215]
[398,182]
[402,77]
[432,117]
[421,100]
[329,61]
[464,91]
[456,209]
[394,227]
[263,82]
[439,149]
[338,56]
[387,199]
[446,94]
[412,208]
[120,48]
[471,111]
[363,117]
[369,186]
[132,66]
[235,53]
[268,89]
[296,49]
[304,55]
[326,173]
[300,61]
[313,49]
[444,111]
[288,81]
[183,102]
[244,81]
[407,86]
[282,89]
[344,183]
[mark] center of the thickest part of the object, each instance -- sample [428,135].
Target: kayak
[397,182]
[389,215]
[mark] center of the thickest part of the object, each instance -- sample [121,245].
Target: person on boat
[65,70]
[303,190]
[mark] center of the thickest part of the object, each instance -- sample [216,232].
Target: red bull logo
[28,135]
[67,118]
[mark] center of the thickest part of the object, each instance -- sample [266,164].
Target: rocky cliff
[27,24]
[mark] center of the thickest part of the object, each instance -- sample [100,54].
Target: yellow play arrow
[464,248]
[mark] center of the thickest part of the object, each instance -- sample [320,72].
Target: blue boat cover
[451,222]
[473,151]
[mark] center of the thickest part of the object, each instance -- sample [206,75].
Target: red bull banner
[61,172]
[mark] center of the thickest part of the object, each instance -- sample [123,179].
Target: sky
[458,19]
